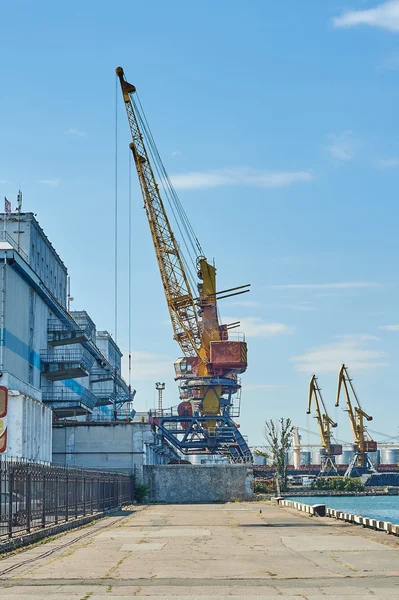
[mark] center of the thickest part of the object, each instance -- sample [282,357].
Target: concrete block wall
[375,524]
[198,483]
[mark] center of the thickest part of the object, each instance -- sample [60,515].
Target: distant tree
[278,435]
[338,483]
[262,453]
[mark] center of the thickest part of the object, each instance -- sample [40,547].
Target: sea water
[383,508]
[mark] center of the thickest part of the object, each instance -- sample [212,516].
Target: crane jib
[182,308]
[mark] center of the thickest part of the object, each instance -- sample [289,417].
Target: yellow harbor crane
[363,443]
[325,423]
[208,370]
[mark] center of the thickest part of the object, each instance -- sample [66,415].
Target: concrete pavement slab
[331,542]
[212,551]
[145,547]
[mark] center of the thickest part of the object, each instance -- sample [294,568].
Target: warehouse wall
[122,446]
[29,428]
[42,256]
[25,328]
[198,483]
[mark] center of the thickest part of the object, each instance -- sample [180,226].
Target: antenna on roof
[69,297]
[19,201]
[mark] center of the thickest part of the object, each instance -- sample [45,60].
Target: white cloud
[256,327]
[342,146]
[51,182]
[147,366]
[385,15]
[261,386]
[358,337]
[3,181]
[76,132]
[344,285]
[177,153]
[389,328]
[353,350]
[390,162]
[240,176]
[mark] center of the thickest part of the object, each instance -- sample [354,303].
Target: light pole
[160,387]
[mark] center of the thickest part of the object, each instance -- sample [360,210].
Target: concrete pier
[214,551]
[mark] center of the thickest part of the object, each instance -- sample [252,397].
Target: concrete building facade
[126,446]
[47,354]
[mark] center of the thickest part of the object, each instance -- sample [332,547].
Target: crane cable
[116,216]
[176,199]
[185,228]
[130,273]
[160,169]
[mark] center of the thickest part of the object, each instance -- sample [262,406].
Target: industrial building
[54,363]
[111,445]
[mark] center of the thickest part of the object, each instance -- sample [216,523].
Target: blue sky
[277,122]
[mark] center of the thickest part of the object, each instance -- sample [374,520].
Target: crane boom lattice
[179,297]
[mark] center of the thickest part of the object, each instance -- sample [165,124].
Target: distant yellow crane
[363,443]
[325,423]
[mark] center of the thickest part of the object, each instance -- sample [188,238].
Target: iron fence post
[28,501]
[57,496]
[131,488]
[66,496]
[91,494]
[10,493]
[98,494]
[84,496]
[3,473]
[76,497]
[44,501]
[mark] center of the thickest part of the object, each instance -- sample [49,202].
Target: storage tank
[306,458]
[260,460]
[316,457]
[389,456]
[345,458]
[375,457]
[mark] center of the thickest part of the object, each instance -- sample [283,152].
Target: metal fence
[34,496]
